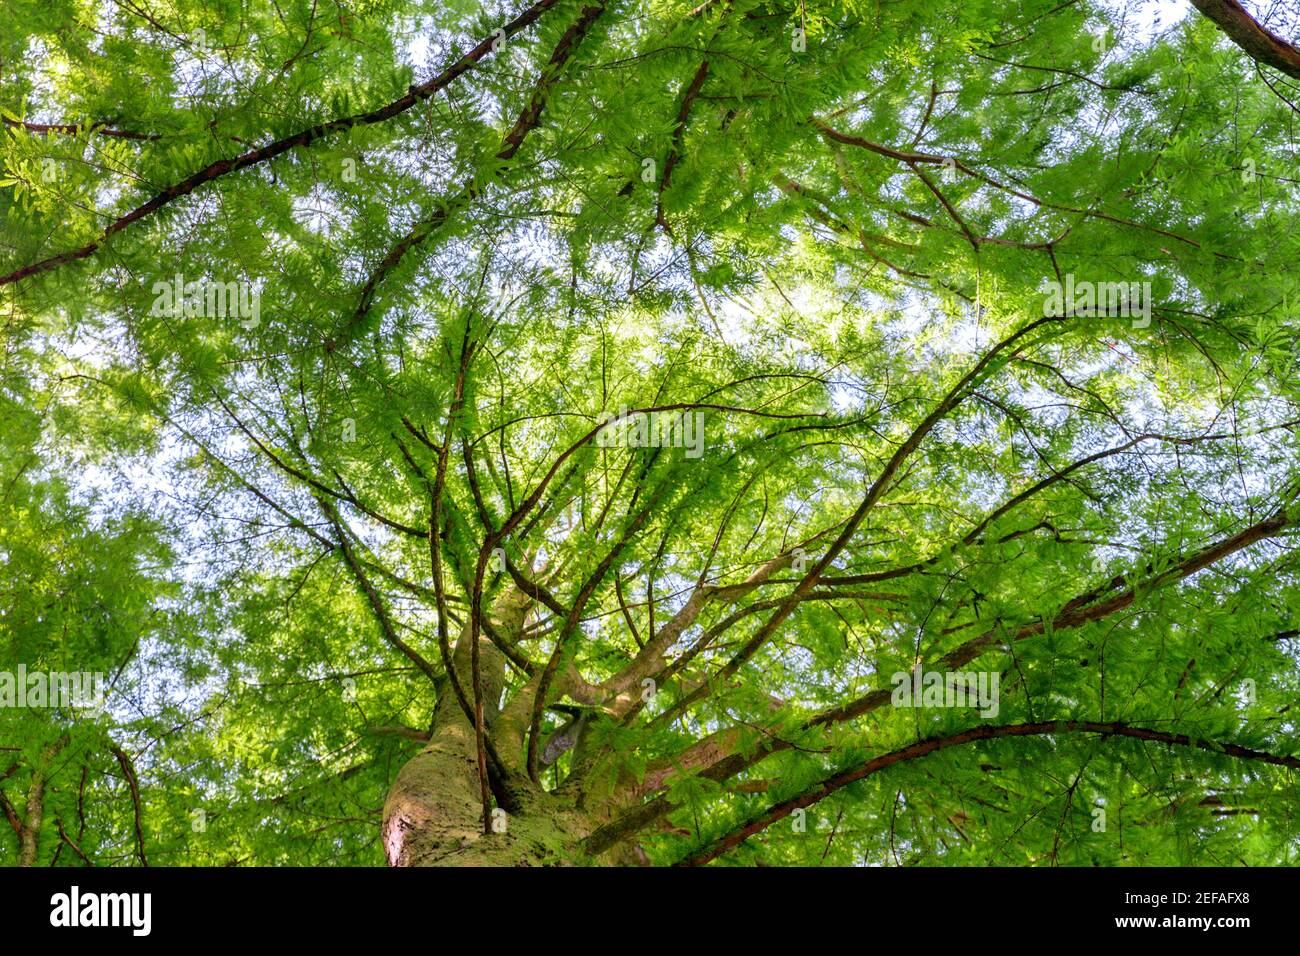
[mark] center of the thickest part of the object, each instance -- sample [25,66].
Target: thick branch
[33,813]
[679,136]
[987,732]
[1248,33]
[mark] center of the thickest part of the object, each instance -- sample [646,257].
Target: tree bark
[33,814]
[1260,43]
[433,815]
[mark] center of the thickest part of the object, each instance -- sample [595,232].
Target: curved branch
[254,157]
[128,770]
[73,129]
[914,159]
[63,835]
[873,495]
[535,496]
[928,746]
[368,588]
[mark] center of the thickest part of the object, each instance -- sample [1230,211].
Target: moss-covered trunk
[433,815]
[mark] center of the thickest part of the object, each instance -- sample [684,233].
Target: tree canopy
[469,433]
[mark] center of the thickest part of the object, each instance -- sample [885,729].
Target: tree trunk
[433,815]
[34,810]
[33,815]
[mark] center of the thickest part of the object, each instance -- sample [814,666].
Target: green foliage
[782,249]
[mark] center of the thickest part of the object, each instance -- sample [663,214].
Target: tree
[612,433]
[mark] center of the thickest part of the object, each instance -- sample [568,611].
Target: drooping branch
[914,160]
[873,495]
[1059,475]
[526,506]
[1085,608]
[316,485]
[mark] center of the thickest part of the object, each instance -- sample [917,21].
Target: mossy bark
[433,815]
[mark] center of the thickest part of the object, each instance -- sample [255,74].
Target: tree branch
[1256,40]
[128,770]
[987,732]
[223,167]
